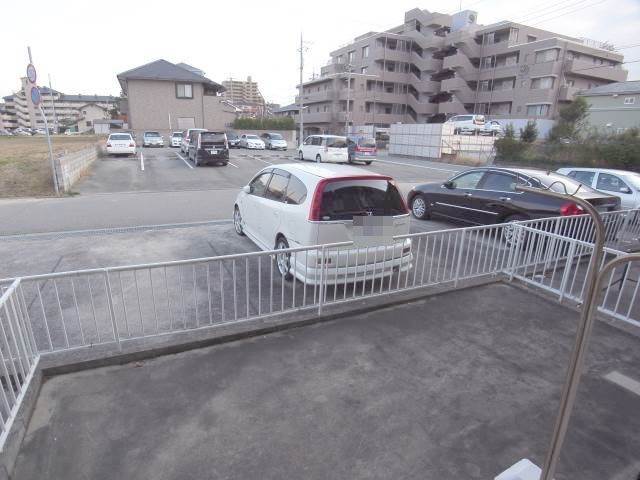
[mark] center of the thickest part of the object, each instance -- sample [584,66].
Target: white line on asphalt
[264,161]
[142,161]
[182,158]
[623,381]
[417,166]
[233,165]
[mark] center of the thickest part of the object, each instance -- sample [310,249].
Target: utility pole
[53,106]
[346,120]
[300,101]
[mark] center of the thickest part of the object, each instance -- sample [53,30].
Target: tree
[265,123]
[530,132]
[572,120]
[509,131]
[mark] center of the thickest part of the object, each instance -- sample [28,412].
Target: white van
[301,205]
[324,148]
[473,124]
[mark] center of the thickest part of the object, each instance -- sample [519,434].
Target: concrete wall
[71,166]
[544,125]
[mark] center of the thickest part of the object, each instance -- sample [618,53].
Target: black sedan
[485,196]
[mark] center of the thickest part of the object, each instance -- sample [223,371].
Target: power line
[567,13]
[549,8]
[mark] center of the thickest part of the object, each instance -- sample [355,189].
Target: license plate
[213,152]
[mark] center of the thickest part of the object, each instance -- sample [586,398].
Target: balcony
[381,53]
[397,77]
[427,63]
[494,96]
[317,97]
[589,69]
[422,108]
[453,107]
[318,117]
[567,93]
[460,63]
[460,88]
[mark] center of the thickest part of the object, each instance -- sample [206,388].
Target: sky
[83,45]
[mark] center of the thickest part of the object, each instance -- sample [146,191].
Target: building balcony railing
[459,62]
[589,69]
[460,88]
[316,97]
[452,107]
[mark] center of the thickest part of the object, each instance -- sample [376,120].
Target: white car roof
[602,170]
[326,170]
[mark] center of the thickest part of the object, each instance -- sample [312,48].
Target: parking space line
[258,158]
[233,165]
[623,381]
[141,161]
[417,166]
[182,158]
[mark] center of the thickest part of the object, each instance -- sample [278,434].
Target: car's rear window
[120,136]
[344,199]
[367,143]
[253,137]
[212,137]
[463,118]
[337,142]
[151,134]
[176,134]
[275,136]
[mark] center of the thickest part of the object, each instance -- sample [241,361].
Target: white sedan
[251,141]
[302,205]
[121,144]
[621,183]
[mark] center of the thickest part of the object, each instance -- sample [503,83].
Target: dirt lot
[24,163]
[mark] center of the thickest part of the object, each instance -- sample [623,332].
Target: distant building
[61,110]
[615,107]
[433,66]
[241,92]
[163,96]
[287,111]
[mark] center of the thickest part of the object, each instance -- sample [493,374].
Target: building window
[88,124]
[363,70]
[340,59]
[184,90]
[550,55]
[531,38]
[365,51]
[350,56]
[629,100]
[84,112]
[538,110]
[487,62]
[542,83]
[570,83]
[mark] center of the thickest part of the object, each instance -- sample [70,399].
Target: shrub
[509,131]
[509,149]
[571,121]
[530,132]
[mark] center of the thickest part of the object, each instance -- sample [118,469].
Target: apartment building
[61,110]
[243,92]
[435,65]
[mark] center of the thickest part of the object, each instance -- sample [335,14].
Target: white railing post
[112,313]
[567,270]
[459,262]
[322,285]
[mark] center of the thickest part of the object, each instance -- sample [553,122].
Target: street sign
[31,73]
[35,95]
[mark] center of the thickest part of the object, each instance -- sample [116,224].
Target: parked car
[487,195]
[176,139]
[39,131]
[298,205]
[121,144]
[5,133]
[324,148]
[472,124]
[152,139]
[274,141]
[493,128]
[25,132]
[208,147]
[251,141]
[361,149]
[234,139]
[186,136]
[624,185]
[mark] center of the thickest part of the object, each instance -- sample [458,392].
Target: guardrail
[18,355]
[85,308]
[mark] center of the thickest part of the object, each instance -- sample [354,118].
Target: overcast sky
[84,44]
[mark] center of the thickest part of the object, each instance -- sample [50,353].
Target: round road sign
[31,73]
[35,95]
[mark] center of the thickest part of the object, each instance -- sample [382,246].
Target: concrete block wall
[70,166]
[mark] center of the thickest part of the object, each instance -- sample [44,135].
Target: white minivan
[324,148]
[302,205]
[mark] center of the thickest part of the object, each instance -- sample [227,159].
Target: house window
[570,83]
[542,83]
[487,62]
[363,70]
[365,51]
[88,124]
[550,55]
[538,110]
[350,56]
[531,38]
[340,59]
[629,100]
[184,90]
[84,112]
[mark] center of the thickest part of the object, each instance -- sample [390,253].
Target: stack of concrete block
[70,167]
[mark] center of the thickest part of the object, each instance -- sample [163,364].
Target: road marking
[233,164]
[417,166]
[623,381]
[142,161]
[182,158]
[257,158]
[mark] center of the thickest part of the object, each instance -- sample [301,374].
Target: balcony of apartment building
[495,109]
[392,71]
[316,117]
[460,63]
[422,107]
[460,88]
[498,41]
[426,40]
[465,43]
[452,107]
[385,48]
[591,69]
[327,95]
[495,90]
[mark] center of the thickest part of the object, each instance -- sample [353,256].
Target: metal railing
[86,308]
[18,355]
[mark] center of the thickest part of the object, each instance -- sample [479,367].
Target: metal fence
[18,354]
[101,306]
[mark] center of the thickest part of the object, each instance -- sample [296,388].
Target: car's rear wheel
[419,208]
[237,221]
[318,158]
[510,233]
[301,155]
[283,260]
[367,162]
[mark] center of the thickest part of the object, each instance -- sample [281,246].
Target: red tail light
[132,144]
[316,202]
[571,208]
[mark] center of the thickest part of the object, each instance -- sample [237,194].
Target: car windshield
[367,142]
[152,134]
[276,136]
[212,137]
[337,142]
[120,136]
[177,134]
[344,199]
[232,136]
[633,179]
[252,137]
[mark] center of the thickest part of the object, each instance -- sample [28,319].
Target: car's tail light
[108,144]
[132,144]
[316,203]
[571,208]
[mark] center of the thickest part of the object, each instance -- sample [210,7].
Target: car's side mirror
[450,184]
[246,189]
[625,190]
